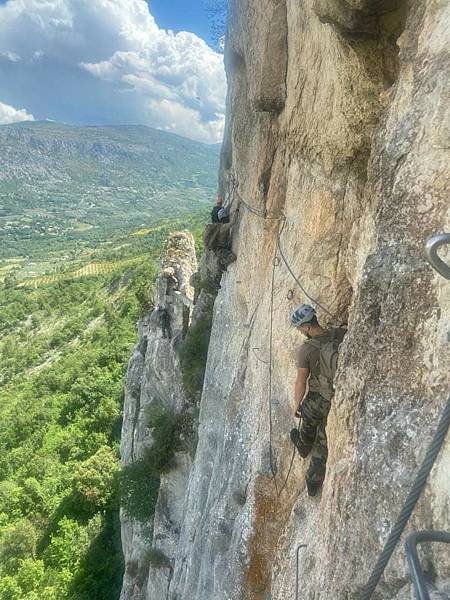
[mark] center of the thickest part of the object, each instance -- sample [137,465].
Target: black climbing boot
[302,448]
[313,487]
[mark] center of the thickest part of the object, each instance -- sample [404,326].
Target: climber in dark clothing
[216,209]
[217,237]
[219,214]
[164,322]
[313,407]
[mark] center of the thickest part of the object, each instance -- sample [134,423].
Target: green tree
[60,413]
[17,542]
[95,479]
[30,576]
[10,499]
[10,589]
[67,546]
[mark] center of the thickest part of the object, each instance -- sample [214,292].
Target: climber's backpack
[328,360]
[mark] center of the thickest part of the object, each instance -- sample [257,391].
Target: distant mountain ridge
[46,142]
[64,180]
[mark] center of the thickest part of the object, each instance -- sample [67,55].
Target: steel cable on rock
[262,213]
[272,468]
[275,263]
[410,502]
[256,211]
[288,473]
[297,281]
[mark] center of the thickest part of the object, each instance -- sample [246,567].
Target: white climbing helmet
[302,314]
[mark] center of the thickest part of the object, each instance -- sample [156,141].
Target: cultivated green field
[66,188]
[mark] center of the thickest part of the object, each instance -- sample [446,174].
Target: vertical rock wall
[337,145]
[336,137]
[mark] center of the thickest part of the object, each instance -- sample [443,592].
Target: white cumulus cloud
[11,56]
[9,114]
[107,61]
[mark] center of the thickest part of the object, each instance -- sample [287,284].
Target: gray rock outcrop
[154,377]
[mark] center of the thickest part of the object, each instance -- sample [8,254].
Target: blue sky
[112,62]
[179,15]
[182,15]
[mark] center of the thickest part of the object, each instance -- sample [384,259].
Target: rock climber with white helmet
[316,361]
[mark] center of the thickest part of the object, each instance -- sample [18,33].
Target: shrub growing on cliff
[139,490]
[165,426]
[193,355]
[140,480]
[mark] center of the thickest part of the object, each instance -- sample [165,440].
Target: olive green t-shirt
[308,357]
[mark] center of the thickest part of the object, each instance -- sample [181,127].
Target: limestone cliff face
[337,142]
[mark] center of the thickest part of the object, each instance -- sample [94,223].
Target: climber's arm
[300,389]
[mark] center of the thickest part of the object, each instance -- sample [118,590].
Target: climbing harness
[415,568]
[432,452]
[297,564]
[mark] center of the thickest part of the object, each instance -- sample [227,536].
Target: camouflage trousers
[314,410]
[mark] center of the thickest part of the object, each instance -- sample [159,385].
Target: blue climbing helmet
[302,314]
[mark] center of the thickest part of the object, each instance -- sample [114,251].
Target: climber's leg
[312,415]
[317,467]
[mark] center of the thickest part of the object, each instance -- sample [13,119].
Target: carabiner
[431,248]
